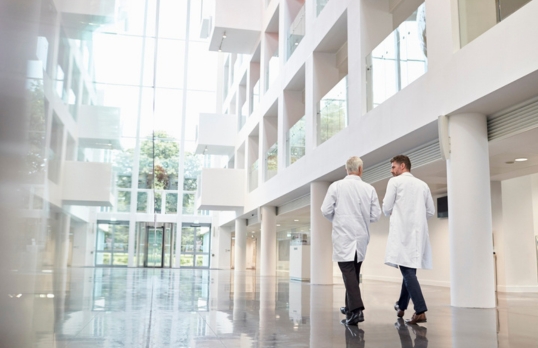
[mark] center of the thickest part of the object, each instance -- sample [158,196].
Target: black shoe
[357,316]
[345,312]
[399,312]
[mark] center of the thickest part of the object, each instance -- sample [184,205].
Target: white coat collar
[407,174]
[353,177]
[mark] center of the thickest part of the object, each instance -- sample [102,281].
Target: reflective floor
[119,307]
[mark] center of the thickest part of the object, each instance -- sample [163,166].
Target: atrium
[165,161]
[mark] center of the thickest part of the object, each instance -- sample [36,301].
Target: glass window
[142,202]
[188,203]
[171,203]
[171,54]
[124,201]
[187,239]
[399,60]
[112,243]
[157,201]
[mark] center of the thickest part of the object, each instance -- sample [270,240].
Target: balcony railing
[271,162]
[399,60]
[272,71]
[296,141]
[296,32]
[255,96]
[253,176]
[320,5]
[333,112]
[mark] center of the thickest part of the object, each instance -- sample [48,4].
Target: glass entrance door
[155,239]
[195,246]
[155,244]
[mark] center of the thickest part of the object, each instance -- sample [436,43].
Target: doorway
[155,245]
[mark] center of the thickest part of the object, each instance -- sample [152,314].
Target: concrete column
[240,257]
[469,213]
[268,241]
[321,264]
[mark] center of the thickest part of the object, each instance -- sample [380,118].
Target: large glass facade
[114,92]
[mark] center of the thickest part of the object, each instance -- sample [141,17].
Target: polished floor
[118,307]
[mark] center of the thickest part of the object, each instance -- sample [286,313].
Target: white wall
[518,246]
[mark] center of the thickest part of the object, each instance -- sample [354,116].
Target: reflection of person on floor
[421,341]
[354,337]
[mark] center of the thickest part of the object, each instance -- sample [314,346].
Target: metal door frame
[194,253]
[146,251]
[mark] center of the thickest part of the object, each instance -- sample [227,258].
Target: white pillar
[240,257]
[268,241]
[469,213]
[321,264]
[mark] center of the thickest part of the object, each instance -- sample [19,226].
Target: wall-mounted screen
[442,207]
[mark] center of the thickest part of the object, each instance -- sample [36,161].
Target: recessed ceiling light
[521,159]
[278,224]
[224,36]
[296,44]
[295,220]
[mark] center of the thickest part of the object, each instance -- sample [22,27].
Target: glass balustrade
[253,176]
[272,71]
[296,32]
[333,112]
[255,96]
[399,60]
[320,5]
[271,162]
[296,140]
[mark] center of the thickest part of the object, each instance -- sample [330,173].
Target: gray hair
[353,164]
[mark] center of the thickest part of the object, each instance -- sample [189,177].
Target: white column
[268,241]
[469,213]
[240,257]
[321,264]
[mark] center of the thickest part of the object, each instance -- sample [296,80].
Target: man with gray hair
[351,205]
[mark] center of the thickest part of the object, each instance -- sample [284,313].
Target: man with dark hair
[409,203]
[351,205]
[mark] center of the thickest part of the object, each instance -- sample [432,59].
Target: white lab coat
[409,203]
[351,205]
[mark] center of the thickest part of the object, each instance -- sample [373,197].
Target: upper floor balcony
[216,134]
[87,184]
[99,127]
[212,194]
[235,25]
[81,17]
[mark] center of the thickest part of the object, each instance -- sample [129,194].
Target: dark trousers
[350,272]
[411,290]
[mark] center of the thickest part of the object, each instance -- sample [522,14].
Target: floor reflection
[112,307]
[354,337]
[421,341]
